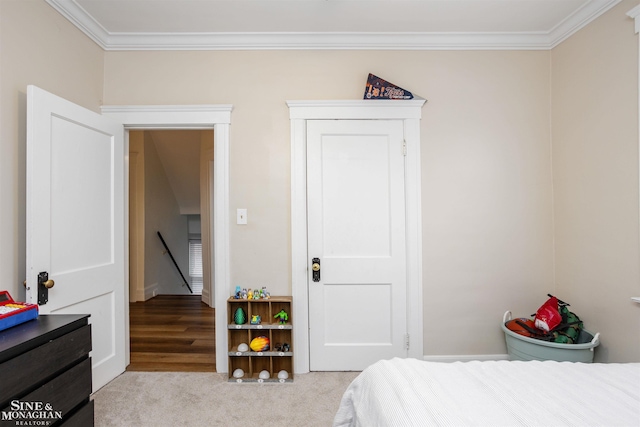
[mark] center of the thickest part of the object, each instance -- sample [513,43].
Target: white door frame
[299,112]
[218,118]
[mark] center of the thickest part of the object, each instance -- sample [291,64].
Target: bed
[411,392]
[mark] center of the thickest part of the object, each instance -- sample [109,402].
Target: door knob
[315,266]
[47,283]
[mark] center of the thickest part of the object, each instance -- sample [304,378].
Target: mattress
[411,392]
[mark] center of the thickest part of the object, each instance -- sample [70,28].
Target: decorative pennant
[378,88]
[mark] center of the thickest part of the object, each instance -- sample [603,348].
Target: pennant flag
[378,88]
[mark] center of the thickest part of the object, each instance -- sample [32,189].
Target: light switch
[241,217]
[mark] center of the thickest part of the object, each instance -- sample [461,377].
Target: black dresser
[45,372]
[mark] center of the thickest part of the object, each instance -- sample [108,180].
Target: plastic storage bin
[520,347]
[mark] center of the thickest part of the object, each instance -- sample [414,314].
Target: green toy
[282,317]
[240,317]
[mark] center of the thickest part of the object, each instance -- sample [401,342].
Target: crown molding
[580,19]
[334,40]
[81,19]
[327,41]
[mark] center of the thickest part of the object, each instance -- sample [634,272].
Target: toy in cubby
[260,344]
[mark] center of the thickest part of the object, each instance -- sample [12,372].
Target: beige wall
[37,46]
[595,164]
[486,196]
[486,166]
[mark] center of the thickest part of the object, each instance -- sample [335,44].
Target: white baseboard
[206,297]
[139,296]
[150,291]
[465,358]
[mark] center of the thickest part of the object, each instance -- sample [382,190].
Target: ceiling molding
[331,40]
[325,41]
[578,20]
[81,19]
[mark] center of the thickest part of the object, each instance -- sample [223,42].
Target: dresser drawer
[64,393]
[33,367]
[83,417]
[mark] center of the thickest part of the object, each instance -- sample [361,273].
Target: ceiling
[329,24]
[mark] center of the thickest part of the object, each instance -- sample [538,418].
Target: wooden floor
[172,333]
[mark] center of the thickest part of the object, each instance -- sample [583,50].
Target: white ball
[238,373]
[243,347]
[283,375]
[264,375]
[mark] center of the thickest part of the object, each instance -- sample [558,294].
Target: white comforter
[410,392]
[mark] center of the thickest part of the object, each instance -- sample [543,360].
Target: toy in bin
[13,313]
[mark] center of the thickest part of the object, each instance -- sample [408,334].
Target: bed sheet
[411,392]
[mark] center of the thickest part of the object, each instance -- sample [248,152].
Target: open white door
[357,236]
[75,221]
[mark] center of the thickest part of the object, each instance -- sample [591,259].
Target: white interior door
[75,221]
[356,229]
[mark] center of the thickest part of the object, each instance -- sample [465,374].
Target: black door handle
[315,268]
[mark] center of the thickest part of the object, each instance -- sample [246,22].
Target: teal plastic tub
[520,347]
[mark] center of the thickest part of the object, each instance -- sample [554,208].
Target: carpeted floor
[158,399]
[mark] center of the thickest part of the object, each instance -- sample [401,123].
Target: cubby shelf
[236,353]
[253,362]
[262,326]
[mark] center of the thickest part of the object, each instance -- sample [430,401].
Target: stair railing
[174,262]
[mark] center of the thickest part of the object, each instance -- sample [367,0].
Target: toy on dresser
[13,313]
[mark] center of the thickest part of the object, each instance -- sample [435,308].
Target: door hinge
[406,341]
[404,148]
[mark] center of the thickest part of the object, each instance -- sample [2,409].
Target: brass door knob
[315,267]
[49,283]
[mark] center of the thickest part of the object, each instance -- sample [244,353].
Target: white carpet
[207,399]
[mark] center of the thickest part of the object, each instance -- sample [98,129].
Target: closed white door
[75,221]
[356,233]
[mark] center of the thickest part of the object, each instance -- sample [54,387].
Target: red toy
[13,313]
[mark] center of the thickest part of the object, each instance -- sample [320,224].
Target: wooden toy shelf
[271,360]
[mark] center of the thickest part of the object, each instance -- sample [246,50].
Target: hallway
[172,333]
